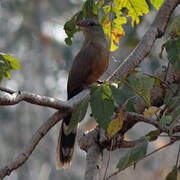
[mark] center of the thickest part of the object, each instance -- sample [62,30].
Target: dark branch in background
[143,48]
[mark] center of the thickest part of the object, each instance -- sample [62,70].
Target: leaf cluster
[7,63]
[110,101]
[115,14]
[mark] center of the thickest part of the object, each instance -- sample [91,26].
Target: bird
[87,67]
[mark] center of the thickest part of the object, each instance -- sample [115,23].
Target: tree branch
[23,156]
[15,97]
[132,119]
[94,154]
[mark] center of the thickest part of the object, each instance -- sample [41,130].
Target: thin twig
[165,77]
[109,157]
[162,147]
[177,160]
[162,81]
[143,97]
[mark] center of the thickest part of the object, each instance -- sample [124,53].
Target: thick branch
[15,97]
[23,156]
[144,47]
[94,155]
[132,119]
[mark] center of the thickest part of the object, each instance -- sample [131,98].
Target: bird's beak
[81,23]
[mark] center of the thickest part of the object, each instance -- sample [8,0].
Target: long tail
[65,145]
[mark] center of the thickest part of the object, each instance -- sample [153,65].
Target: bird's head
[90,27]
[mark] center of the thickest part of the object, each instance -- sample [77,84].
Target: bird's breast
[99,63]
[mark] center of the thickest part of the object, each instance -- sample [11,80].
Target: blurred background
[32,31]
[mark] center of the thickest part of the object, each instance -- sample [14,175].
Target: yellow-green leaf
[8,75]
[157,3]
[135,8]
[78,113]
[116,124]
[113,46]
[7,63]
[151,111]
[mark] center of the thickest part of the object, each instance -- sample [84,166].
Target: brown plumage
[89,64]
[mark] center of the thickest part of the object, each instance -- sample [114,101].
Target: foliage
[152,110]
[174,28]
[108,96]
[79,113]
[110,101]
[89,10]
[116,123]
[7,63]
[133,155]
[102,105]
[173,52]
[172,175]
[116,13]
[157,3]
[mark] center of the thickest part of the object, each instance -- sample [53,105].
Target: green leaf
[140,150]
[134,155]
[174,28]
[125,161]
[14,63]
[89,10]
[172,126]
[173,52]
[157,82]
[7,63]
[135,8]
[157,3]
[176,113]
[102,105]
[71,28]
[153,135]
[175,101]
[8,75]
[168,97]
[78,113]
[121,92]
[172,175]
[165,120]
[142,85]
[107,9]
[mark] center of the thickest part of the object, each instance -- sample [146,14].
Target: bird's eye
[92,24]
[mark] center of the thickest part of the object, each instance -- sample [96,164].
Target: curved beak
[81,23]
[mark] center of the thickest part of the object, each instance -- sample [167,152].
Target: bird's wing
[87,67]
